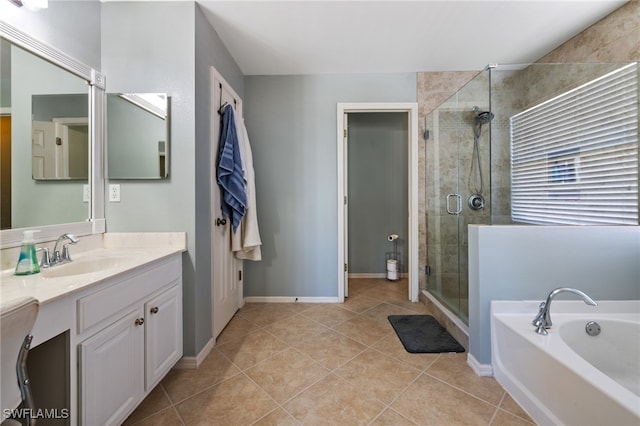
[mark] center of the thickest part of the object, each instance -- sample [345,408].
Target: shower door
[446,224]
[458,188]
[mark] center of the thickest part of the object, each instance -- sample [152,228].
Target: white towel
[246,242]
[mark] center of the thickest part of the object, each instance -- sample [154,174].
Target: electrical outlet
[114,193]
[86,193]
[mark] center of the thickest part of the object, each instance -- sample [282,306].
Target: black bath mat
[423,334]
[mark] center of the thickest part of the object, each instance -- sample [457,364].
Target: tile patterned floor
[327,364]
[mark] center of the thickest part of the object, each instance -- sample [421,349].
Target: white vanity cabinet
[130,336]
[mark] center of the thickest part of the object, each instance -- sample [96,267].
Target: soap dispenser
[28,261]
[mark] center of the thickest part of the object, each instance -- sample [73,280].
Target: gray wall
[377,189]
[292,123]
[210,52]
[143,50]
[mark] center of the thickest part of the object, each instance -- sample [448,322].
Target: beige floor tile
[329,348]
[359,303]
[391,418]
[278,417]
[509,405]
[428,401]
[504,418]
[364,330]
[294,328]
[254,348]
[383,310]
[183,383]
[238,401]
[156,401]
[334,401]
[237,329]
[453,369]
[286,373]
[167,417]
[415,307]
[268,313]
[378,375]
[392,346]
[328,314]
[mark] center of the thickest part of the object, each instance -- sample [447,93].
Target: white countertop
[119,252]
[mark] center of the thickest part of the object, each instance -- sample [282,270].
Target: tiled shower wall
[616,38]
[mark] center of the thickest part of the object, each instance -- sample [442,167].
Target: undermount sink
[83,266]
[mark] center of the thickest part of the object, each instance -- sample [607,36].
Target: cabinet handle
[139,321]
[154,310]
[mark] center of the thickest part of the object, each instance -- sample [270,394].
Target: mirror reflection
[60,137]
[138,135]
[32,199]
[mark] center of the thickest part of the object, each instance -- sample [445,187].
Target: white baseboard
[195,361]
[373,275]
[479,369]
[283,299]
[367,275]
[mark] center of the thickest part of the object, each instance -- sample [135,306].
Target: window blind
[574,158]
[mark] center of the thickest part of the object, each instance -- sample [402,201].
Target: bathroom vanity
[109,326]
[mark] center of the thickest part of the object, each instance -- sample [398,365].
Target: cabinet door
[163,334]
[111,371]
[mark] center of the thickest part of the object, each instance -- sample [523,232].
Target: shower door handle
[458,207]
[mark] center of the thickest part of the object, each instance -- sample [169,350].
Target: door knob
[139,321]
[221,221]
[154,310]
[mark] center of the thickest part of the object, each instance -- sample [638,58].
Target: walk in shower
[467,168]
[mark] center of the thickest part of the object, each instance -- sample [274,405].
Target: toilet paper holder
[392,259]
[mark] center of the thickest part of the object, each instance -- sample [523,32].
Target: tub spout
[543,320]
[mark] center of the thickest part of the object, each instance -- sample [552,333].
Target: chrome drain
[592,328]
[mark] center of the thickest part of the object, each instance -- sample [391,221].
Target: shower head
[483,117]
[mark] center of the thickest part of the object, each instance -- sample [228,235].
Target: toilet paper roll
[392,265]
[392,275]
[392,237]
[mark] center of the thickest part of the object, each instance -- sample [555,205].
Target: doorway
[409,113]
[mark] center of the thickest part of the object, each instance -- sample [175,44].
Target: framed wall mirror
[138,135]
[50,128]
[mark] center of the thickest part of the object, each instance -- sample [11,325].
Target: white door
[43,150]
[226,269]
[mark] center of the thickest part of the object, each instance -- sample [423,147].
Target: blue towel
[229,174]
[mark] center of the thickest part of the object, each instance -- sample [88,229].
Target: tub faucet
[543,320]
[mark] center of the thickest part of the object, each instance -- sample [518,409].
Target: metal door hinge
[345,267]
[344,133]
[239,275]
[345,200]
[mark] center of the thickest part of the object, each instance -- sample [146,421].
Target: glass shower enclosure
[468,162]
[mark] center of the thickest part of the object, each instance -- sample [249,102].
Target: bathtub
[568,377]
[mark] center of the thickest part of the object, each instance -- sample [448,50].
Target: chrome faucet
[57,257]
[543,320]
